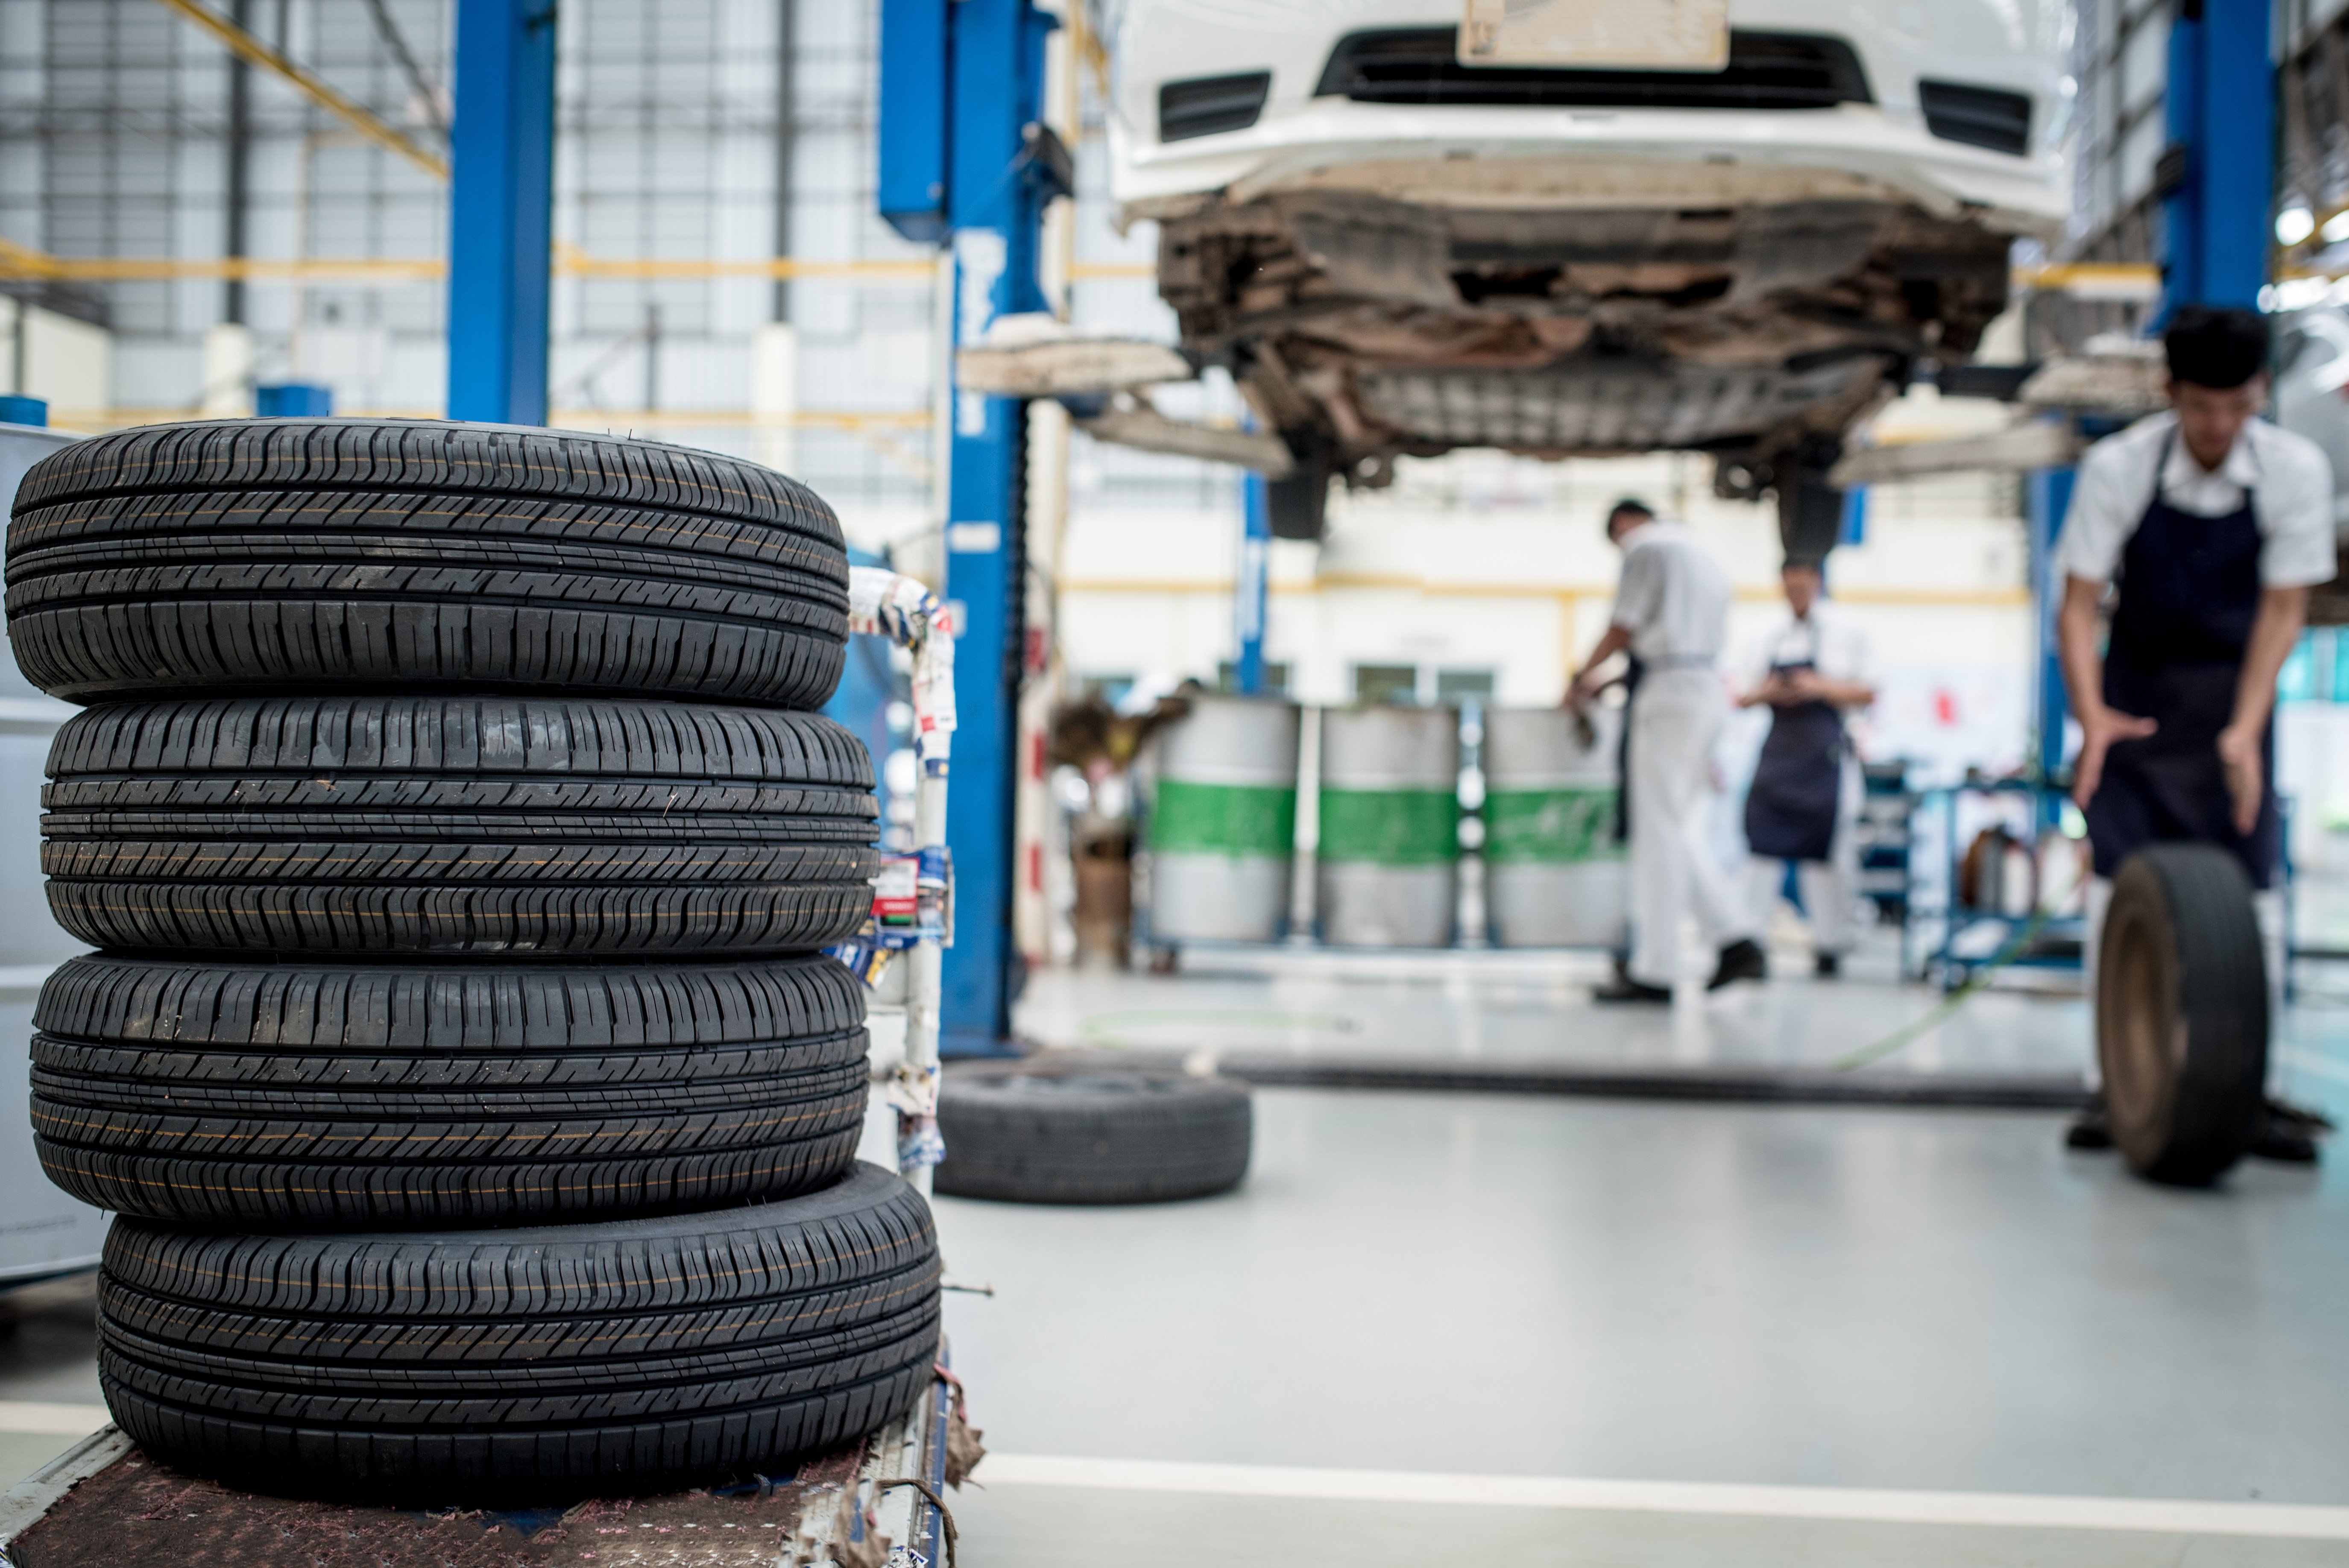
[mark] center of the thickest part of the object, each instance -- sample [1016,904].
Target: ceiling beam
[351,112]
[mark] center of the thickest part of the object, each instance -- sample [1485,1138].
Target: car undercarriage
[1363,329]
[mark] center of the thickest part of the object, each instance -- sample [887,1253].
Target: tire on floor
[1091,1135]
[389,1096]
[2182,1013]
[323,554]
[523,1366]
[487,825]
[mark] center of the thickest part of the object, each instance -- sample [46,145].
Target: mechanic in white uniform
[2213,525]
[1811,671]
[1672,612]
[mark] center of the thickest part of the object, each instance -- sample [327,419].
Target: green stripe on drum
[1188,818]
[1391,827]
[1550,827]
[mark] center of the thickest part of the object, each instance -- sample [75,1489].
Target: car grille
[1979,117]
[1422,66]
[1206,105]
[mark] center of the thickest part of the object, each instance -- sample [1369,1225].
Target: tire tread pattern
[1089,1137]
[326,1095]
[478,824]
[523,1364]
[279,555]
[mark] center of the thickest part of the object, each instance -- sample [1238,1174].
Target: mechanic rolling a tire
[1091,1135]
[2214,524]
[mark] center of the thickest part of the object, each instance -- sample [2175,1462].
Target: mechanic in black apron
[1794,806]
[2178,744]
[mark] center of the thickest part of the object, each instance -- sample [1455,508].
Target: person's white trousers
[2267,906]
[1830,888]
[1675,717]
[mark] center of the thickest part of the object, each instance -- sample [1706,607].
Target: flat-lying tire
[2182,1013]
[1088,1135]
[381,1096]
[523,1366]
[494,825]
[324,555]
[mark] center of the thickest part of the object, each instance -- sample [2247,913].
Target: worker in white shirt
[1811,672]
[1672,612]
[2215,524]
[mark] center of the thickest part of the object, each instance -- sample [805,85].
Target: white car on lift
[1571,227]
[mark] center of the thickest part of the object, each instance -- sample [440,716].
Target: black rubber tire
[483,825]
[307,554]
[518,1367]
[1090,1135]
[320,1095]
[2182,1014]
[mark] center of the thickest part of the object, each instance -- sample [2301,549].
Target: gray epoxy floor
[1046,1527]
[1850,1298]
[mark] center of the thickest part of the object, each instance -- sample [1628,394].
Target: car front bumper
[1551,160]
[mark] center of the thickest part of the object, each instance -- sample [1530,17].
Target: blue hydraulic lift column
[2048,497]
[501,211]
[2219,108]
[961,106]
[1248,591]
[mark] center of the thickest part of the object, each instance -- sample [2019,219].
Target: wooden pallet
[105,1505]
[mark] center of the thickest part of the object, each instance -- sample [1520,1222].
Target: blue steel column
[2220,105]
[2048,492]
[1248,591]
[996,78]
[501,211]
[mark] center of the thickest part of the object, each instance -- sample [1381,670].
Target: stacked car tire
[479,1114]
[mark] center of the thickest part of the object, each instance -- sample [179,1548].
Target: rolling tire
[322,1095]
[520,1366]
[308,554]
[2182,1014]
[1071,1135]
[444,825]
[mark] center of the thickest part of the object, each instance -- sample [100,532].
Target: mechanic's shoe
[2305,1119]
[2090,1131]
[1623,988]
[1826,965]
[2283,1143]
[1740,959]
[2288,1136]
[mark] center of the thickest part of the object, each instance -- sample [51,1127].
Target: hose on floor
[1949,1005]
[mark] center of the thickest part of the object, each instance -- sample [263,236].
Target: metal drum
[1389,849]
[1223,822]
[1554,871]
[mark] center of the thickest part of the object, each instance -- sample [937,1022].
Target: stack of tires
[479,1112]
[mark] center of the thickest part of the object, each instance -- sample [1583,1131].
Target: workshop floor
[1535,1008]
[1438,1329]
[1522,1008]
[1468,1289]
